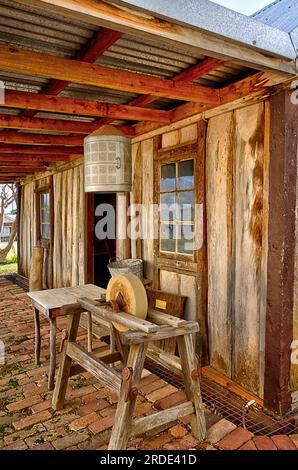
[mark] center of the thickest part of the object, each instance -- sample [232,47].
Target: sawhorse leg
[37,336]
[192,384]
[126,404]
[64,369]
[52,369]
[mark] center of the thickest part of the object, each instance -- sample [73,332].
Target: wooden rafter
[99,43]
[192,73]
[21,169]
[56,125]
[19,157]
[139,25]
[38,150]
[44,65]
[39,139]
[254,85]
[42,102]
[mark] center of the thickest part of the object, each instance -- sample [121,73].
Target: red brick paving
[235,439]
[27,420]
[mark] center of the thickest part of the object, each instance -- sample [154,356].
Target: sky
[244,6]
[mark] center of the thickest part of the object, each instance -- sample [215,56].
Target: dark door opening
[99,250]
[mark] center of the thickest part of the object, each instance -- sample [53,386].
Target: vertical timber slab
[281,252]
[294,366]
[147,199]
[81,228]
[249,279]
[219,194]
[136,194]
[123,241]
[57,258]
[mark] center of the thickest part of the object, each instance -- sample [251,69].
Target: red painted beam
[55,125]
[100,42]
[40,150]
[39,139]
[189,75]
[42,157]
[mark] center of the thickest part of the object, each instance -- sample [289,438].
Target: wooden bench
[132,347]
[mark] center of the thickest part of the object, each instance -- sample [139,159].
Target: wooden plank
[164,332]
[228,384]
[18,159]
[43,151]
[254,86]
[44,65]
[46,102]
[107,375]
[178,35]
[281,253]
[108,359]
[125,408]
[62,125]
[98,44]
[147,423]
[147,200]
[41,139]
[192,385]
[65,365]
[219,205]
[123,244]
[164,319]
[136,194]
[249,284]
[125,319]
[163,358]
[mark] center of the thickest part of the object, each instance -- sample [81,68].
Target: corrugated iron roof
[30,28]
[281,14]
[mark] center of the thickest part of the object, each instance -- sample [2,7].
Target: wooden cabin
[187,82]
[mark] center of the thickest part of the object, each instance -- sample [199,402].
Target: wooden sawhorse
[132,347]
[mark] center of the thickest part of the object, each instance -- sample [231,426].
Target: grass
[10,265]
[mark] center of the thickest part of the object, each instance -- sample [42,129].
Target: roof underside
[37,30]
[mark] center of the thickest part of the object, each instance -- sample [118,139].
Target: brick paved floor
[27,420]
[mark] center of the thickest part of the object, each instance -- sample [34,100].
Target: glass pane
[45,231]
[45,200]
[186,206]
[167,237]
[168,177]
[167,207]
[186,239]
[185,174]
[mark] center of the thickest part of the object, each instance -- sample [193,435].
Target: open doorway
[98,252]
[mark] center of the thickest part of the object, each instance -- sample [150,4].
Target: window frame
[180,152]
[48,189]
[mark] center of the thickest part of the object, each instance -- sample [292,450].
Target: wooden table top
[55,302]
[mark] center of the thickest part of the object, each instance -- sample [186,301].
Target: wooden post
[123,418]
[37,336]
[64,369]
[36,269]
[52,353]
[281,250]
[89,331]
[192,384]
[123,249]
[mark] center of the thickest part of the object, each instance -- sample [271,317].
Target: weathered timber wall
[68,246]
[237,225]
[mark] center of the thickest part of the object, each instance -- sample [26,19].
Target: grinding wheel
[133,293]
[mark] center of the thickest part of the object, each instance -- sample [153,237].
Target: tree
[8,195]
